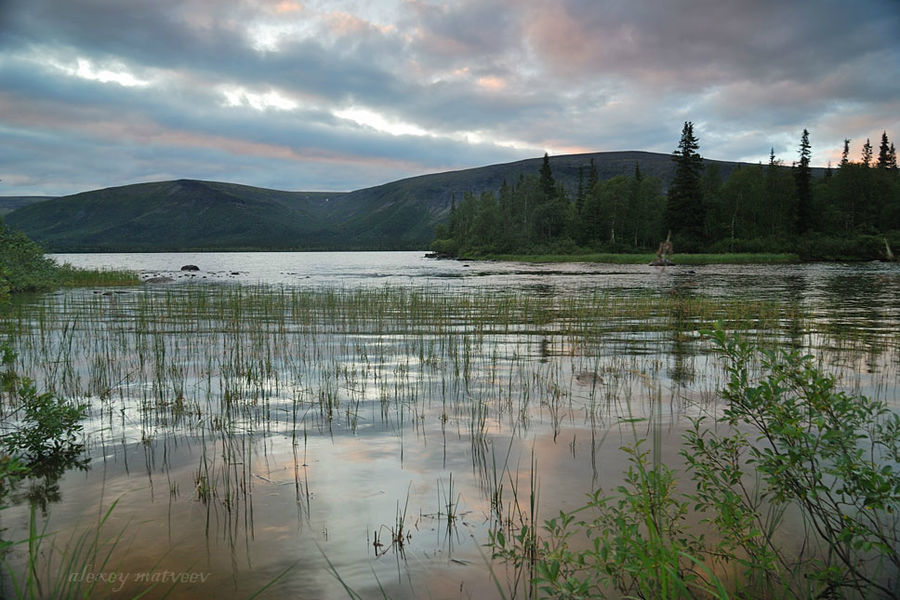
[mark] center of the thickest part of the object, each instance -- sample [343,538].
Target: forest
[850,212]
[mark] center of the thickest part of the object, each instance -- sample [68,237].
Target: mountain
[11,203]
[204,215]
[177,215]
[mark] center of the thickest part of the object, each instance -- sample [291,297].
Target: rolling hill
[203,215]
[11,203]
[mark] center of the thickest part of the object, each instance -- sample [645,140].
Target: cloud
[341,94]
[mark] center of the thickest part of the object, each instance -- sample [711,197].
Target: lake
[805,282]
[368,418]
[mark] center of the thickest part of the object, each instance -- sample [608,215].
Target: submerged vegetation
[412,410]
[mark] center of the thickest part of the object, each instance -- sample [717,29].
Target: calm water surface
[241,447]
[804,282]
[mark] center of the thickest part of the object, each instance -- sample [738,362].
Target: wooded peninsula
[851,212]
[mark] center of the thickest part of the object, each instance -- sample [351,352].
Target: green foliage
[44,443]
[49,426]
[709,207]
[621,213]
[788,442]
[637,545]
[4,284]
[70,276]
[23,266]
[830,455]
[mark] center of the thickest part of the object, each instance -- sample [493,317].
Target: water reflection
[245,431]
[41,487]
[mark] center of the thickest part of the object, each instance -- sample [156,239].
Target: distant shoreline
[647,258]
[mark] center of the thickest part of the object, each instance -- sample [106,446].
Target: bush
[787,441]
[24,266]
[445,247]
[820,451]
[45,442]
[49,427]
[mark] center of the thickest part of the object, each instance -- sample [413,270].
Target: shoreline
[647,258]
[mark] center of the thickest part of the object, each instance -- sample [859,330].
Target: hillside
[11,203]
[194,215]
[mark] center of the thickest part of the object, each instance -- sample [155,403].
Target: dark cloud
[340,94]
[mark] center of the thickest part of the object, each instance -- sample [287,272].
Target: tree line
[848,212]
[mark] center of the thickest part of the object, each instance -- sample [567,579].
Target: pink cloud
[96,124]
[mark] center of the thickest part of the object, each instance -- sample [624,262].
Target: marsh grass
[226,373]
[70,276]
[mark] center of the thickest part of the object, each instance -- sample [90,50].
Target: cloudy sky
[343,94]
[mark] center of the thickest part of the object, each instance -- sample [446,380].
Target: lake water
[381,412]
[803,282]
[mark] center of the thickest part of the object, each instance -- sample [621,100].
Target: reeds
[211,381]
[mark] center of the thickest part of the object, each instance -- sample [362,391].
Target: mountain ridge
[187,214]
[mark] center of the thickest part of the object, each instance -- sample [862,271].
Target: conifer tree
[867,154]
[548,184]
[803,177]
[845,155]
[884,152]
[685,214]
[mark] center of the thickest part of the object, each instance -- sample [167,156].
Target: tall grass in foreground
[68,571]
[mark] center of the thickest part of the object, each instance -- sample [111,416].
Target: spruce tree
[803,177]
[548,184]
[685,214]
[884,152]
[867,154]
[845,155]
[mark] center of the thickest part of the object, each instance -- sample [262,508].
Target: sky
[337,95]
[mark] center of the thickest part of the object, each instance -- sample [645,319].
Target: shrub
[829,455]
[447,247]
[24,266]
[45,442]
[49,426]
[787,441]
